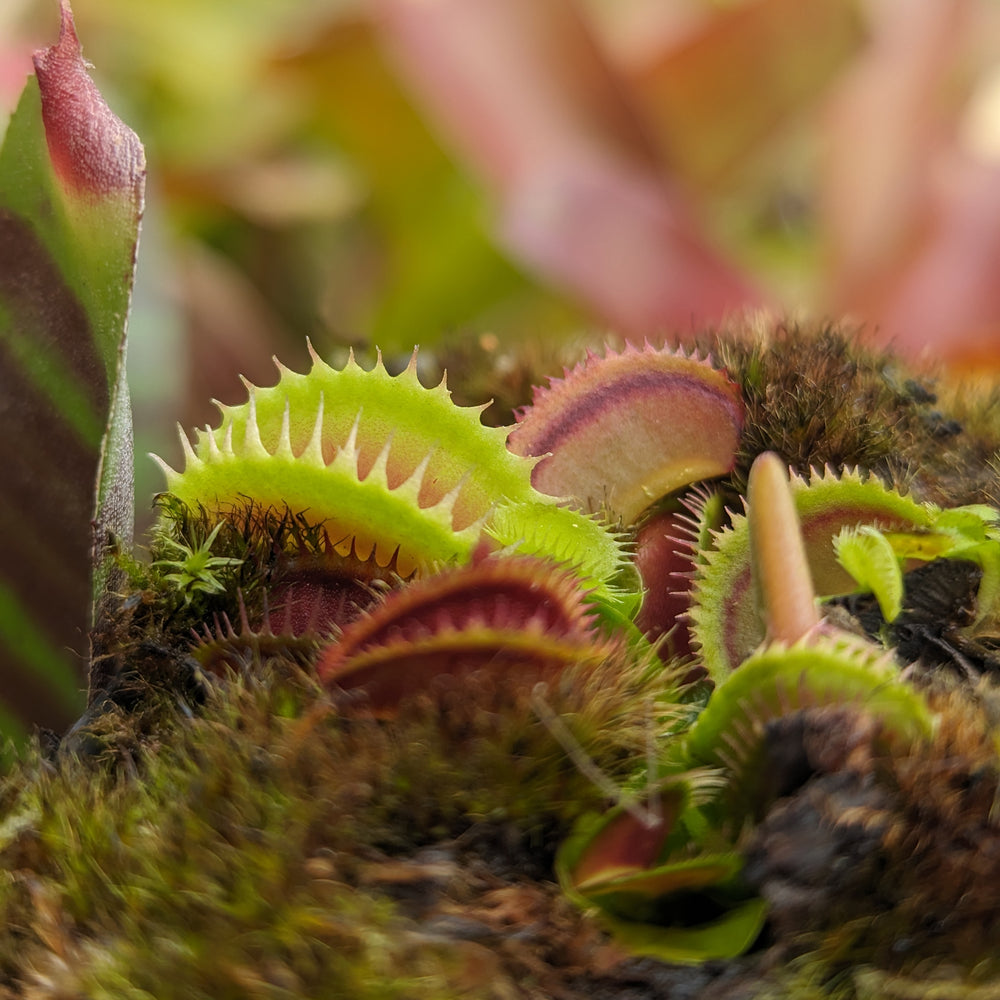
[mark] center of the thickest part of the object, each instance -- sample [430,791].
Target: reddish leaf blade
[712,99]
[71,190]
[93,153]
[524,93]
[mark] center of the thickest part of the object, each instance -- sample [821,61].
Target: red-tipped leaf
[71,195]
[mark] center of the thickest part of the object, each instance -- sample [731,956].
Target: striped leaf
[71,194]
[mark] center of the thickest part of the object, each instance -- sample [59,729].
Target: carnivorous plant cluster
[517,553]
[707,637]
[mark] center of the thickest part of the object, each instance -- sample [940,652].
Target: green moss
[221,854]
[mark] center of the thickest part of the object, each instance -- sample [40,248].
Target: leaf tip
[93,152]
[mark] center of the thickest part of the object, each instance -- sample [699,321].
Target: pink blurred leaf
[912,219]
[621,239]
[883,124]
[529,101]
[946,296]
[711,98]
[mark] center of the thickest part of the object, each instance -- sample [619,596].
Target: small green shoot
[196,571]
[869,557]
[876,558]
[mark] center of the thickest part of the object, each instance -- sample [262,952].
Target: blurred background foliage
[400,172]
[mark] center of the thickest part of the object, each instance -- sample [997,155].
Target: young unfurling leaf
[868,556]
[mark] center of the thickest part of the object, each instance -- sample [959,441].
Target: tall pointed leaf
[71,195]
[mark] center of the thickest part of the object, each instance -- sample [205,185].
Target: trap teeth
[369,456]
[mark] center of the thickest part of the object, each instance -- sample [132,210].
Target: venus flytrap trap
[670,542]
[518,616]
[396,474]
[726,623]
[658,889]
[618,433]
[621,431]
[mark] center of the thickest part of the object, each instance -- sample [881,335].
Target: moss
[220,854]
[817,398]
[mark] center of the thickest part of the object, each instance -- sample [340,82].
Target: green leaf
[725,937]
[869,557]
[638,867]
[959,533]
[71,195]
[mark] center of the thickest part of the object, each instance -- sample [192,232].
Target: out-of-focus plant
[393,172]
[844,153]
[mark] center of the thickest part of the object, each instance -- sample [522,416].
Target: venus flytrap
[640,879]
[495,572]
[400,483]
[517,618]
[726,619]
[620,431]
[396,474]
[396,478]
